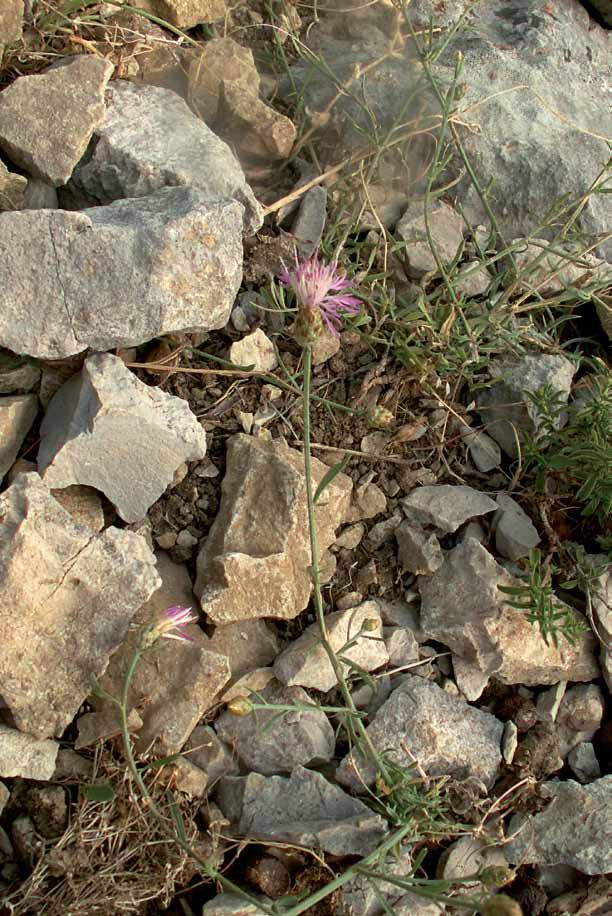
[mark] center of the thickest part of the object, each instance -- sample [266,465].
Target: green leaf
[333,472]
[102,792]
[159,763]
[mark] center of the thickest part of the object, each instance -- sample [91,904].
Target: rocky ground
[158,166]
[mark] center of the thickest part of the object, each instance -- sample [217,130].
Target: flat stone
[466,856]
[220,60]
[575,829]
[308,225]
[305,661]
[304,809]
[25,756]
[463,608]
[180,151]
[248,645]
[231,905]
[256,350]
[268,743]
[47,119]
[417,551]
[17,413]
[445,506]
[256,131]
[77,593]
[446,228]
[12,188]
[441,732]
[189,778]
[206,750]
[472,280]
[583,762]
[247,571]
[515,533]
[118,275]
[509,742]
[505,410]
[368,502]
[350,537]
[11,21]
[105,425]
[402,647]
[175,684]
[484,451]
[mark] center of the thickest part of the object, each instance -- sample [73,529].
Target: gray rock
[39,195]
[575,829]
[504,408]
[20,379]
[12,189]
[548,702]
[247,644]
[584,763]
[306,663]
[472,280]
[446,229]
[515,533]
[17,413]
[105,425]
[442,732]
[362,897]
[417,551]
[11,21]
[309,223]
[180,150]
[402,647]
[413,905]
[189,778]
[305,809]
[581,712]
[118,275]
[206,750]
[231,905]
[77,593]
[463,608]
[445,506]
[247,571]
[509,742]
[25,756]
[368,501]
[47,120]
[269,743]
[350,537]
[484,451]
[185,14]
[587,900]
[466,856]
[256,350]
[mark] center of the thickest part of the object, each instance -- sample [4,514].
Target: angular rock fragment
[231,905]
[305,661]
[221,60]
[46,120]
[361,898]
[118,275]
[445,506]
[180,150]
[11,21]
[583,762]
[25,756]
[269,743]
[417,551]
[106,429]
[446,228]
[484,451]
[304,809]
[39,195]
[12,189]
[17,413]
[575,829]
[20,379]
[515,533]
[463,608]
[506,411]
[210,754]
[308,226]
[185,14]
[257,132]
[442,733]
[248,646]
[581,711]
[256,350]
[247,570]
[67,597]
[84,505]
[472,279]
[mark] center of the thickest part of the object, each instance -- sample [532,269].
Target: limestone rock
[254,129]
[575,829]
[463,608]
[12,189]
[484,451]
[221,60]
[46,120]
[268,743]
[106,429]
[515,533]
[84,505]
[256,350]
[248,646]
[67,597]
[175,683]
[304,809]
[308,226]
[581,712]
[185,14]
[505,410]
[230,905]
[252,682]
[118,275]
[472,280]
[361,897]
[305,661]
[445,506]
[17,413]
[446,228]
[180,150]
[418,552]
[583,762]
[39,195]
[210,754]
[442,732]
[11,21]
[22,378]
[247,571]
[25,756]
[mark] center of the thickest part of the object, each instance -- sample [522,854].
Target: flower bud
[494,876]
[240,706]
[308,327]
[500,905]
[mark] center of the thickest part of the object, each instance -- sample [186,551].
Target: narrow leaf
[333,472]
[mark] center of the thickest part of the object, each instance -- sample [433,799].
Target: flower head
[322,291]
[171,625]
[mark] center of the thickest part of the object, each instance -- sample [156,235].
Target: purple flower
[321,288]
[173,622]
